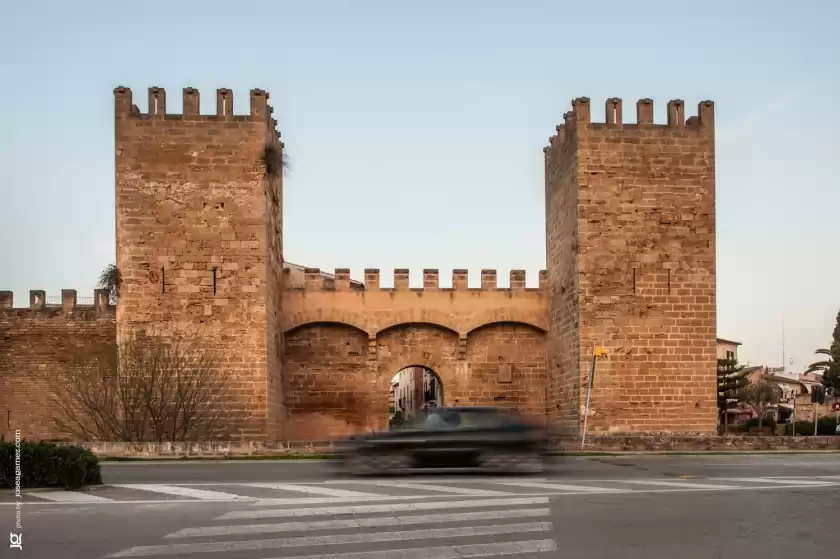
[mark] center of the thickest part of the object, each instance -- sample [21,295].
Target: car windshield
[462,419]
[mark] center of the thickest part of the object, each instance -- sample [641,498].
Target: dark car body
[485,438]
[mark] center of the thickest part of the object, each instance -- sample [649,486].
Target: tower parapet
[317,280]
[67,302]
[579,119]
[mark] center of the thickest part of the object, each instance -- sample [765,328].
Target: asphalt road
[702,507]
[588,467]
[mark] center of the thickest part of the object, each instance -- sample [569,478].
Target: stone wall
[35,344]
[644,271]
[344,345]
[328,389]
[701,443]
[601,444]
[562,232]
[199,240]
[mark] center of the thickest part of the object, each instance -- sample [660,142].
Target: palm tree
[830,366]
[110,279]
[823,365]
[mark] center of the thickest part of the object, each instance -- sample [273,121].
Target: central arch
[413,391]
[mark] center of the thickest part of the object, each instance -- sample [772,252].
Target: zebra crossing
[399,519]
[512,527]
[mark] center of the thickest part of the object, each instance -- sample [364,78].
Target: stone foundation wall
[641,444]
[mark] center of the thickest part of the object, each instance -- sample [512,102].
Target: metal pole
[726,413]
[816,417]
[783,345]
[588,397]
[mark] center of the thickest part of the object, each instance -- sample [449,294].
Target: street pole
[816,416]
[588,396]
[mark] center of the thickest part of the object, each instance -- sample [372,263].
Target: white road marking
[445,552]
[200,494]
[680,484]
[327,500]
[436,480]
[369,509]
[564,487]
[62,499]
[333,539]
[441,488]
[376,522]
[778,481]
[71,497]
[793,478]
[313,489]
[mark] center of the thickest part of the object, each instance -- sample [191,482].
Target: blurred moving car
[483,438]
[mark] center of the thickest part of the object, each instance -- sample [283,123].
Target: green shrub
[48,465]
[768,423]
[826,426]
[803,428]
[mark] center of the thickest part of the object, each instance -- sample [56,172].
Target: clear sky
[415,131]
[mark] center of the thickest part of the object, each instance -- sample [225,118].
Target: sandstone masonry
[630,266]
[35,343]
[199,239]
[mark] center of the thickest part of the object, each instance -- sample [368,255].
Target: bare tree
[760,395]
[144,388]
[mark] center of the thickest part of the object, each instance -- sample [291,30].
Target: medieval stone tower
[630,225]
[199,239]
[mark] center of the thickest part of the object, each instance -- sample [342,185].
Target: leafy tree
[830,366]
[143,388]
[760,395]
[732,380]
[111,279]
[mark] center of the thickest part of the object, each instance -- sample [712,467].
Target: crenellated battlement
[67,302]
[316,280]
[259,110]
[580,118]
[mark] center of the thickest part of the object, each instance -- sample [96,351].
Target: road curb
[577,454]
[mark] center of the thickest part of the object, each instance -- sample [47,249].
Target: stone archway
[412,392]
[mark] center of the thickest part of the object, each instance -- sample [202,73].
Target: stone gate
[630,225]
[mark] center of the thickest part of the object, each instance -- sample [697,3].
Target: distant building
[413,390]
[727,349]
[794,393]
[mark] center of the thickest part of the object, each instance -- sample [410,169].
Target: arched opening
[413,391]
